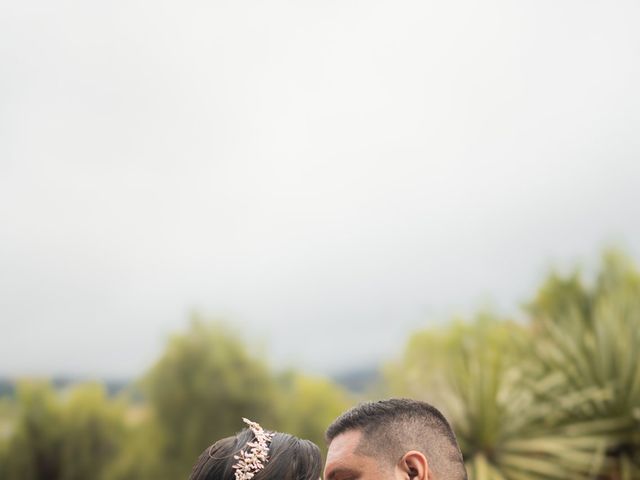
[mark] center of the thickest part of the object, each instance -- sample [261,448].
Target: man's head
[393,439]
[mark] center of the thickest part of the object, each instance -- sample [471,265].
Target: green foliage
[556,399]
[198,391]
[62,439]
[93,430]
[140,455]
[308,405]
[33,450]
[560,297]
[208,379]
[7,415]
[433,356]
[200,388]
[596,359]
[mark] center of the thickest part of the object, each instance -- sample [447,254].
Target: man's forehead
[346,442]
[345,460]
[342,450]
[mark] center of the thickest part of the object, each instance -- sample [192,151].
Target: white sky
[328,175]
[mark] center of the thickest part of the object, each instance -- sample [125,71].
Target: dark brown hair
[290,458]
[390,428]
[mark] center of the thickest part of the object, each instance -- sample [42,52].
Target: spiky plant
[558,398]
[474,372]
[505,430]
[597,357]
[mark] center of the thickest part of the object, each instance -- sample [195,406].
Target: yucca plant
[555,398]
[597,359]
[474,372]
[580,380]
[505,430]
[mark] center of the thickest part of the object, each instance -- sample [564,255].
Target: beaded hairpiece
[250,459]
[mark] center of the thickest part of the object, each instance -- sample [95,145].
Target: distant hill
[7,388]
[113,387]
[360,380]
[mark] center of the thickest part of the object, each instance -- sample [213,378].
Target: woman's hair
[289,458]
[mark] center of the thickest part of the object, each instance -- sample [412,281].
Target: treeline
[197,392]
[113,387]
[554,395]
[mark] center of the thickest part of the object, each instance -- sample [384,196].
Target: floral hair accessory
[252,458]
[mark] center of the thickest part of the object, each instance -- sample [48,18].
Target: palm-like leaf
[600,363]
[504,431]
[556,399]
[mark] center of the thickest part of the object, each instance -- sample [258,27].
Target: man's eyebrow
[340,471]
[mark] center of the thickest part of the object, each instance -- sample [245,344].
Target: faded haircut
[390,428]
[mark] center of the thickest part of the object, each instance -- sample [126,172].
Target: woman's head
[288,458]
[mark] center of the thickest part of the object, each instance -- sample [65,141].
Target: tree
[63,439]
[34,449]
[308,405]
[206,380]
[140,452]
[201,387]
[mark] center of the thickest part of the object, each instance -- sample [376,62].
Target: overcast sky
[328,175]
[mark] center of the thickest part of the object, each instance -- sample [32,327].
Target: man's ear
[414,466]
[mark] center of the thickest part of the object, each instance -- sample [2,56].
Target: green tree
[63,439]
[206,380]
[93,429]
[34,449]
[140,452]
[204,383]
[308,405]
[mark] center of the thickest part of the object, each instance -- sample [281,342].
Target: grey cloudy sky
[328,175]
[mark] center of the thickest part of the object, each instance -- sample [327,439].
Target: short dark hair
[290,458]
[390,428]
